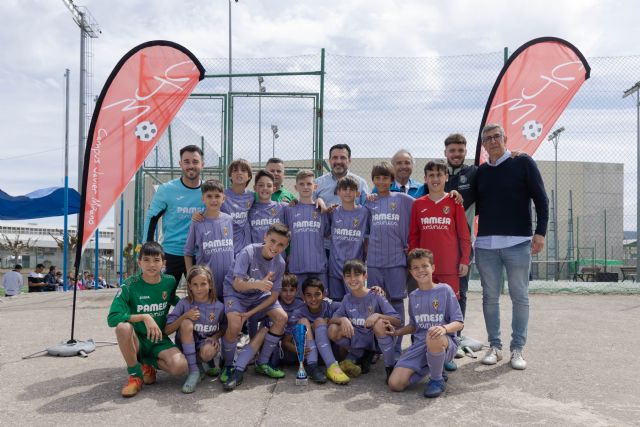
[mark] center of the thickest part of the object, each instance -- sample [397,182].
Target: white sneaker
[493,356]
[243,341]
[517,361]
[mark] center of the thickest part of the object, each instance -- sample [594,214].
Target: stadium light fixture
[554,137]
[274,129]
[262,89]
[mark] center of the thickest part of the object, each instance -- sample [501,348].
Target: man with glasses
[505,187]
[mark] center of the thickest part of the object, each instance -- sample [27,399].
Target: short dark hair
[289,280]
[262,173]
[312,282]
[17,267]
[51,268]
[347,182]
[274,160]
[455,138]
[419,253]
[212,185]
[354,266]
[383,168]
[151,249]
[280,229]
[191,149]
[340,147]
[436,165]
[39,266]
[241,164]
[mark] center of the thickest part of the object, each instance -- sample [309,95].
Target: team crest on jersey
[230,303]
[248,204]
[273,211]
[164,294]
[212,316]
[446,210]
[356,222]
[393,205]
[225,231]
[370,310]
[435,304]
[463,179]
[314,215]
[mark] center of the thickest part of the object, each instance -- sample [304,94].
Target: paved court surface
[583,353]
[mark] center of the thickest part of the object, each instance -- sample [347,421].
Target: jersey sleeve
[119,311]
[412,318]
[190,246]
[414,227]
[277,280]
[464,237]
[181,307]
[386,308]
[241,265]
[340,312]
[454,313]
[156,209]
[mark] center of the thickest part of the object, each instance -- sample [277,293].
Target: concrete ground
[583,370]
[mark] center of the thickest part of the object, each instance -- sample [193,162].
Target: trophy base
[302,381]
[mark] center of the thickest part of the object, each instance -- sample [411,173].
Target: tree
[16,247]
[71,244]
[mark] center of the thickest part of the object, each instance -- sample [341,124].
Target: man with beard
[176,201]
[339,160]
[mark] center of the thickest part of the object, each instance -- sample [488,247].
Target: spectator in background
[12,281]
[36,279]
[281,194]
[50,282]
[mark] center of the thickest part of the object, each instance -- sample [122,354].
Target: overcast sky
[39,40]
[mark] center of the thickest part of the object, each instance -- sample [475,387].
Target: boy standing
[308,228]
[439,224]
[363,319]
[251,288]
[211,240]
[349,226]
[434,319]
[264,211]
[238,201]
[139,314]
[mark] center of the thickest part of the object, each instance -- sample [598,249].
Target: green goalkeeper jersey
[139,297]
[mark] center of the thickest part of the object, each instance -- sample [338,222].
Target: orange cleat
[148,374]
[134,385]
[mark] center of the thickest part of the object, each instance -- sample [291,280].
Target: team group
[335,259]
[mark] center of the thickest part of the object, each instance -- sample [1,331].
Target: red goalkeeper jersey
[442,228]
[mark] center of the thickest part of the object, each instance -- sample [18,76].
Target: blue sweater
[503,198]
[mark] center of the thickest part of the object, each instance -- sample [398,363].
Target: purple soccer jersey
[327,311]
[358,309]
[308,228]
[238,206]
[211,320]
[348,231]
[262,216]
[250,264]
[211,241]
[290,309]
[437,306]
[389,230]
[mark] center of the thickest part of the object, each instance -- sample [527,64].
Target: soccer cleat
[316,374]
[434,388]
[134,385]
[366,361]
[209,370]
[234,380]
[517,361]
[459,353]
[493,356]
[350,368]
[269,371]
[191,382]
[148,374]
[227,371]
[336,375]
[450,366]
[243,341]
[445,376]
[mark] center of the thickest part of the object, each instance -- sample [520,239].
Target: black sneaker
[389,370]
[365,361]
[235,379]
[316,374]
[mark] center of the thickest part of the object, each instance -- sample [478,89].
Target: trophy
[300,338]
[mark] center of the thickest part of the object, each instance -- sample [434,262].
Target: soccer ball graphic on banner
[145,131]
[531,130]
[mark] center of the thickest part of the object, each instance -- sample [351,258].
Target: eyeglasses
[495,137]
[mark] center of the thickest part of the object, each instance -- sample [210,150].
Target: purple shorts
[415,357]
[303,276]
[337,288]
[234,304]
[362,339]
[393,280]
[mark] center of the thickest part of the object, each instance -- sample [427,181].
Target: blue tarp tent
[38,204]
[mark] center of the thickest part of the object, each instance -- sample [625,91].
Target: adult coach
[276,167]
[505,187]
[176,201]
[339,160]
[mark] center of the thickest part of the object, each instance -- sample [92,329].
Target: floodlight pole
[261,90]
[555,137]
[635,89]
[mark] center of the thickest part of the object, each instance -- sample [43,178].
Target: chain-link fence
[379,105]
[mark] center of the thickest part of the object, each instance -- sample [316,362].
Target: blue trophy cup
[300,338]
